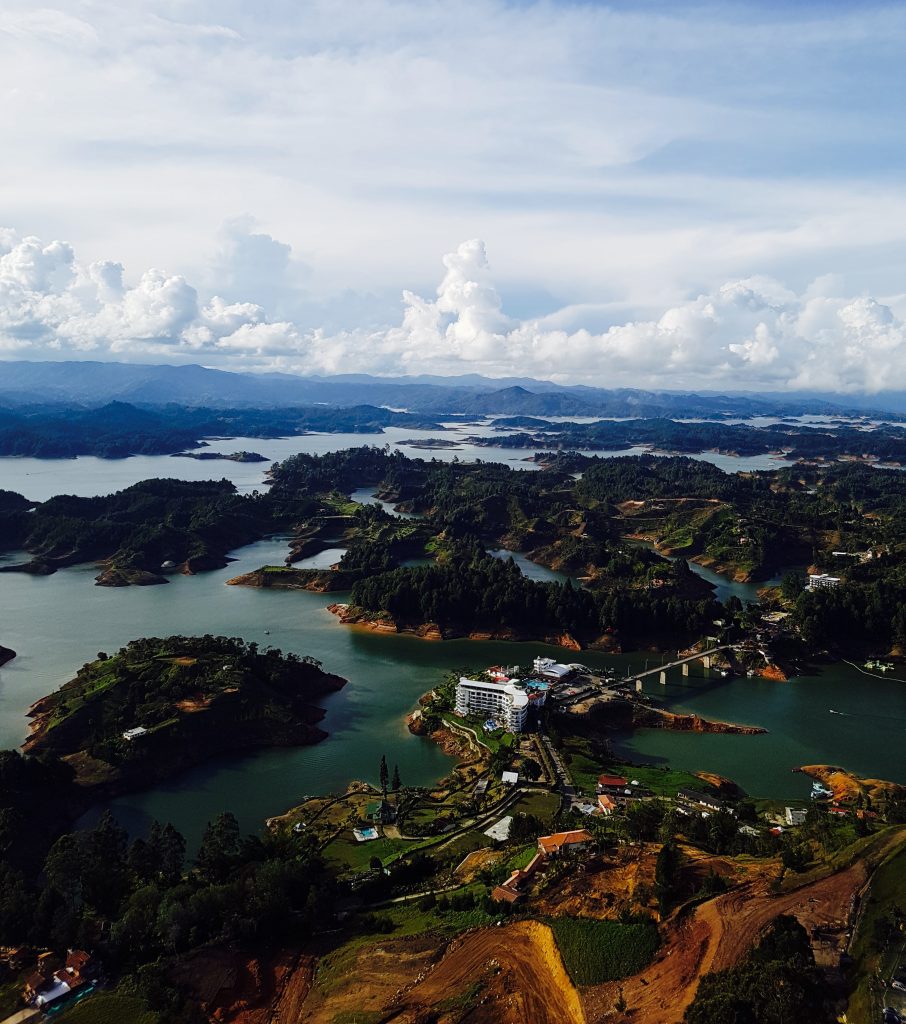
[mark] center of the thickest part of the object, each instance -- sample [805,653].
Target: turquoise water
[56,623]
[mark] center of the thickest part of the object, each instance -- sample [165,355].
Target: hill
[161,705]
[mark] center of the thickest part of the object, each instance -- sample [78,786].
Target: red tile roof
[611,780]
[554,843]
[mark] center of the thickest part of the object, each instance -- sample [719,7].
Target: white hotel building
[506,703]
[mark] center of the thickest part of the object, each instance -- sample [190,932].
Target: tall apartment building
[822,581]
[504,702]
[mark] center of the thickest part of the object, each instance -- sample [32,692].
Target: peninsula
[159,706]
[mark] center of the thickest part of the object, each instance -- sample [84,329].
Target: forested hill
[118,430]
[467,591]
[190,698]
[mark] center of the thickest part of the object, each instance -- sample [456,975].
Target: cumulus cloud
[748,333]
[51,304]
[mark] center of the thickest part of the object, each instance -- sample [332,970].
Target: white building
[133,734]
[505,702]
[822,581]
[794,816]
[547,668]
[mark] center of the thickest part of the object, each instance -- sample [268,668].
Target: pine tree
[384,774]
[395,785]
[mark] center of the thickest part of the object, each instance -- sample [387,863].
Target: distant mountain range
[90,384]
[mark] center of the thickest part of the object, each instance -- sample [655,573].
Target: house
[381,812]
[794,816]
[505,894]
[481,787]
[560,842]
[512,890]
[608,782]
[509,778]
[702,801]
[507,702]
[133,734]
[47,985]
[628,793]
[606,804]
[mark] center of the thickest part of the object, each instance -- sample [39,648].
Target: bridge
[703,656]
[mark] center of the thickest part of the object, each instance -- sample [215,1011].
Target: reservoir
[57,623]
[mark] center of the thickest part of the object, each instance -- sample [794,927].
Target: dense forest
[138,905]
[158,704]
[118,430]
[885,442]
[468,590]
[847,519]
[776,983]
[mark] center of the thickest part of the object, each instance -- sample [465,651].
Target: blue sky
[291,168]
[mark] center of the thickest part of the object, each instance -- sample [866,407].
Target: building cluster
[614,792]
[556,845]
[503,699]
[53,979]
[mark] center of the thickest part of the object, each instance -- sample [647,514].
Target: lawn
[492,740]
[599,951]
[542,804]
[345,850]
[109,1008]
[665,781]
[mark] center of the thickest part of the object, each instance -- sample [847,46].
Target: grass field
[109,1008]
[542,804]
[662,781]
[887,890]
[599,951]
[357,856]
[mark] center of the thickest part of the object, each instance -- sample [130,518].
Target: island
[6,654]
[222,456]
[159,706]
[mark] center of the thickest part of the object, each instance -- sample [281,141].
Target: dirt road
[718,933]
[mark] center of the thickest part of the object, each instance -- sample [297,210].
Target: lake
[57,623]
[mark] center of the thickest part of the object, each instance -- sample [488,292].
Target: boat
[831,711]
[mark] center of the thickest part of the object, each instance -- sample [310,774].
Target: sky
[628,194]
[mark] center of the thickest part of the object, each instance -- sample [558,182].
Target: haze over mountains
[87,383]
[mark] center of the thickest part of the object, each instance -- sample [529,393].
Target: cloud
[748,333]
[631,152]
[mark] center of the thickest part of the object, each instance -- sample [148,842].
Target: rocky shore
[6,654]
[351,616]
[271,577]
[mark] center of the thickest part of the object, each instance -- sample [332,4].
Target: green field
[109,1008]
[357,856]
[887,890]
[661,781]
[599,951]
[542,804]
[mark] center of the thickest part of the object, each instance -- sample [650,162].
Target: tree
[384,774]
[169,847]
[220,848]
[531,769]
[666,872]
[396,783]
